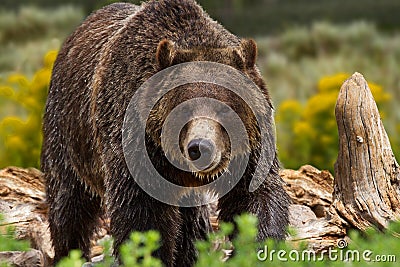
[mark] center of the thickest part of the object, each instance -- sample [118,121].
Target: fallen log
[31,258]
[312,215]
[22,203]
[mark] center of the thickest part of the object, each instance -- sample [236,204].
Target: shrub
[138,249]
[21,129]
[248,252]
[29,23]
[135,252]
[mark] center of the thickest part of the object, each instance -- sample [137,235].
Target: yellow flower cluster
[22,103]
[307,134]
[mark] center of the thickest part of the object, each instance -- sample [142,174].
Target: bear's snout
[204,144]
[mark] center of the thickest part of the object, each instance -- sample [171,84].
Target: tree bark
[31,258]
[22,202]
[367,175]
[312,215]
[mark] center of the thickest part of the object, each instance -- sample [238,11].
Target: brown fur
[97,72]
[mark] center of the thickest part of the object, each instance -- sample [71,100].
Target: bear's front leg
[131,209]
[195,226]
[269,203]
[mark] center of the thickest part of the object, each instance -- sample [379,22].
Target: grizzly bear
[97,74]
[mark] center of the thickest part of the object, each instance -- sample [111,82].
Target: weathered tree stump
[367,176]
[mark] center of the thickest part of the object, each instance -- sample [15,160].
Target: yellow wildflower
[332,83]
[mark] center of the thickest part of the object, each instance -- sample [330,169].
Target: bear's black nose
[202,149]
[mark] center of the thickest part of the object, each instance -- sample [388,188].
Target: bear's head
[210,114]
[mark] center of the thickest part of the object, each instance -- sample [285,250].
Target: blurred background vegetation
[307,48]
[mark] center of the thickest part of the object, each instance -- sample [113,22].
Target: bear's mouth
[218,166]
[212,173]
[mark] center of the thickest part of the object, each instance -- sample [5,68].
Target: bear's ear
[249,52]
[238,60]
[164,54]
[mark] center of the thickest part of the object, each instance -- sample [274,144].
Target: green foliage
[74,259]
[27,33]
[21,129]
[208,255]
[309,132]
[8,241]
[29,23]
[371,246]
[108,259]
[260,17]
[137,251]
[246,247]
[384,245]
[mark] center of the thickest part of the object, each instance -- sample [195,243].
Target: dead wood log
[22,202]
[312,215]
[31,258]
[367,176]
